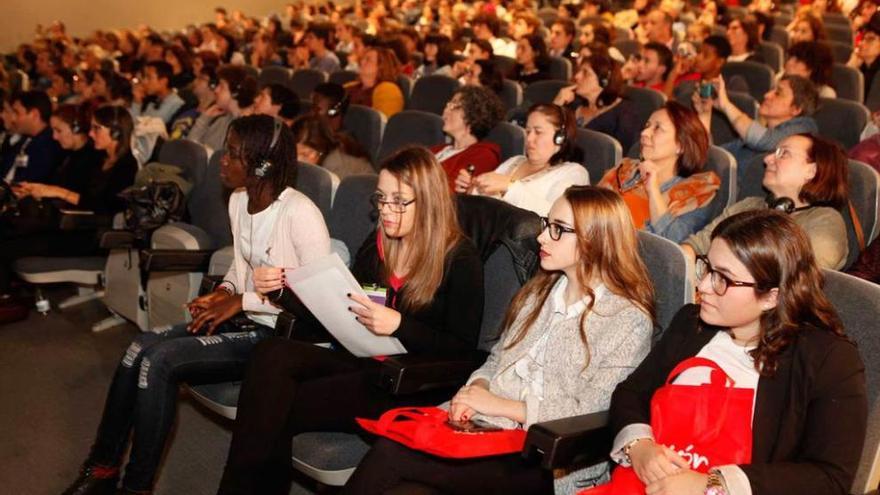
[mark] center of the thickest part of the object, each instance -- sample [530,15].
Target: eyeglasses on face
[786,153]
[396,206]
[719,281]
[554,229]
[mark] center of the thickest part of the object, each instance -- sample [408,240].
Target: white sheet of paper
[322,286]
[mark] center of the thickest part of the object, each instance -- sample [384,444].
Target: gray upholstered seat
[274,74]
[560,68]
[83,270]
[316,183]
[430,93]
[849,83]
[511,94]
[510,138]
[543,91]
[599,152]
[410,127]
[342,76]
[773,54]
[841,120]
[758,77]
[366,125]
[646,101]
[303,81]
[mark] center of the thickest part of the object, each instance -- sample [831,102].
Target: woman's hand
[653,462]
[268,279]
[703,106]
[476,398]
[685,482]
[21,189]
[648,171]
[565,95]
[464,181]
[492,183]
[211,310]
[377,318]
[214,111]
[723,101]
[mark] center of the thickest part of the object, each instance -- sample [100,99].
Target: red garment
[483,155]
[690,76]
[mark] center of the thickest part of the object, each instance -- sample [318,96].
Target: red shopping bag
[708,425]
[426,429]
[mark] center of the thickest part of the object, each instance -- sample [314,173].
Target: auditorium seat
[430,93]
[410,127]
[599,152]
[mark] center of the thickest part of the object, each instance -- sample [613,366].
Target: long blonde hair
[607,246]
[435,231]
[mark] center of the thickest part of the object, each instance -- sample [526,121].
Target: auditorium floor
[54,374]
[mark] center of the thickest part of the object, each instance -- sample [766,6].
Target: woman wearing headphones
[272,225]
[665,190]
[534,181]
[316,144]
[807,178]
[234,93]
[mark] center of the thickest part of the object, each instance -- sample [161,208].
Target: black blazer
[810,417]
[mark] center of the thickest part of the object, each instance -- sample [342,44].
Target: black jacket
[810,418]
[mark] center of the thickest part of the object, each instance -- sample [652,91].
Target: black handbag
[151,206]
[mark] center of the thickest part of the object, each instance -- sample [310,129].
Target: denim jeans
[143,395]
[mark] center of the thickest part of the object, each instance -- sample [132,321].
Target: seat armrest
[118,239]
[284,325]
[576,441]
[84,220]
[175,260]
[402,375]
[209,284]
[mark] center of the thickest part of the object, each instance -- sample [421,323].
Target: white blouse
[538,191]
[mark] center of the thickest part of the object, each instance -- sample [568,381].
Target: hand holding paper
[376,317]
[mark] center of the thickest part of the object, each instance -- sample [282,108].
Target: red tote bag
[426,429]
[708,425]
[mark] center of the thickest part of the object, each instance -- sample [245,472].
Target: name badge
[21,161]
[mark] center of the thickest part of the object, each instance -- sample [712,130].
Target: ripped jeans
[143,395]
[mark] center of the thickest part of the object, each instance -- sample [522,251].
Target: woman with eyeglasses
[468,118]
[574,331]
[807,178]
[272,225]
[765,321]
[433,305]
[666,191]
[534,181]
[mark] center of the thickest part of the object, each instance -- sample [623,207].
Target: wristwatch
[715,484]
[628,447]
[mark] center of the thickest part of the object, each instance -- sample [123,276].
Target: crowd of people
[81,117]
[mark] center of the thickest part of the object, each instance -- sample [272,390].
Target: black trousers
[291,387]
[389,466]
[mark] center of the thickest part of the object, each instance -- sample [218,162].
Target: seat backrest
[251,71]
[510,138]
[858,304]
[623,33]
[872,99]
[500,284]
[849,83]
[366,125]
[600,152]
[864,195]
[316,183]
[758,77]
[505,65]
[836,18]
[511,94]
[208,204]
[750,180]
[841,51]
[406,87]
[841,120]
[628,47]
[560,68]
[779,35]
[542,91]
[352,218]
[274,74]
[722,128]
[430,93]
[341,77]
[724,165]
[773,54]
[839,32]
[410,127]
[548,15]
[191,157]
[646,101]
[303,82]
[670,273]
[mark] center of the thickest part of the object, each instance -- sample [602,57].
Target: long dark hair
[255,133]
[121,126]
[778,254]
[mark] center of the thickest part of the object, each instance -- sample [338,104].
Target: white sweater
[537,192]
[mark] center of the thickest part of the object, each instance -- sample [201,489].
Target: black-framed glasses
[554,229]
[720,282]
[396,206]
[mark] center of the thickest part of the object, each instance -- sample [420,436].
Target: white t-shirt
[256,235]
[538,191]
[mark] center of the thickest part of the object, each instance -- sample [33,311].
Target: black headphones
[559,136]
[80,123]
[337,108]
[783,204]
[266,164]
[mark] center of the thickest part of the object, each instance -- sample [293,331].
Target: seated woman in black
[434,278]
[532,60]
[764,319]
[596,96]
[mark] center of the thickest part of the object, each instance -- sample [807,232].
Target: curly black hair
[482,109]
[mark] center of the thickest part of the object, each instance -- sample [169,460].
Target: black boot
[88,484]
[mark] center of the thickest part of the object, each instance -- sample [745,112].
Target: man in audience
[156,98]
[785,111]
[277,101]
[707,66]
[657,28]
[61,89]
[866,56]
[317,40]
[653,66]
[561,37]
[39,154]
[486,27]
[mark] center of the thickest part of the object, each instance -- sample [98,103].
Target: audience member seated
[264,51]
[277,101]
[180,61]
[742,33]
[38,155]
[233,96]
[653,66]
[666,191]
[562,34]
[532,62]
[765,321]
[483,73]
[534,181]
[203,89]
[596,98]
[61,90]
[805,177]
[710,59]
[814,61]
[806,27]
[12,137]
[330,102]
[785,111]
[468,118]
[486,26]
[434,278]
[376,86]
[439,57]
[592,283]
[154,96]
[656,27]
[316,144]
[268,217]
[866,55]
[317,40]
